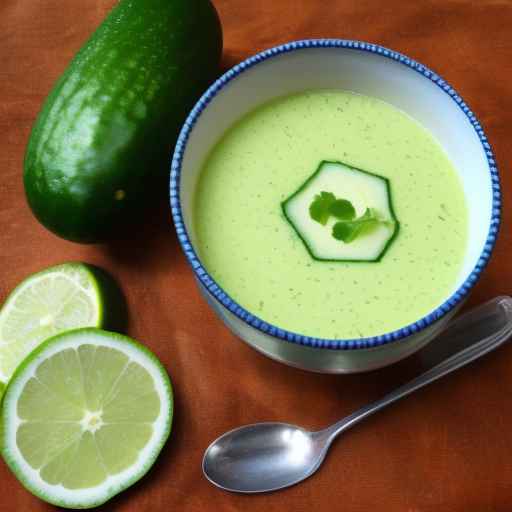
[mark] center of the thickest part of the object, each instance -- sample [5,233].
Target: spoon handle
[481,330]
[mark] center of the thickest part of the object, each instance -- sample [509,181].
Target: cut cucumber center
[343,214]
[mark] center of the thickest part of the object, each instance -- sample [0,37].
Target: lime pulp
[57,299]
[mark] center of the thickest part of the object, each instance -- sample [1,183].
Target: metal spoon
[270,456]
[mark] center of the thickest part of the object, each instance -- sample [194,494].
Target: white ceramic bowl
[367,69]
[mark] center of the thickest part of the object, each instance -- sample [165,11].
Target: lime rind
[81,277]
[114,484]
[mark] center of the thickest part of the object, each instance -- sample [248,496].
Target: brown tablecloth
[449,448]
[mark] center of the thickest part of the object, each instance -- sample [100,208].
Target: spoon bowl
[263,457]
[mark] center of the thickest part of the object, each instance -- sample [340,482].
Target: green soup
[249,248]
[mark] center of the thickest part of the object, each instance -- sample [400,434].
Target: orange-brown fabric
[449,448]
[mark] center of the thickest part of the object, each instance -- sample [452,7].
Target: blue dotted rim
[221,296]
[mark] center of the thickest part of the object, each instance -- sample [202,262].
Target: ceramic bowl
[374,71]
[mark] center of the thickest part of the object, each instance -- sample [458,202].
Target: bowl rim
[282,334]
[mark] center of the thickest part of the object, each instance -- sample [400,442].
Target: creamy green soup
[249,248]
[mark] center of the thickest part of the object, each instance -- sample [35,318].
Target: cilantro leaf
[348,228]
[319,209]
[342,209]
[348,231]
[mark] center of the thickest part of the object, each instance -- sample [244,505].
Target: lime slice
[85,416]
[57,299]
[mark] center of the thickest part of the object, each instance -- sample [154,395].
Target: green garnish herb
[325,205]
[320,207]
[348,231]
[342,209]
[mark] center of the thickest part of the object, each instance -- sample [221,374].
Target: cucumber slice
[370,195]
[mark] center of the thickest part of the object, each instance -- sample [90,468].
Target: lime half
[85,416]
[57,299]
